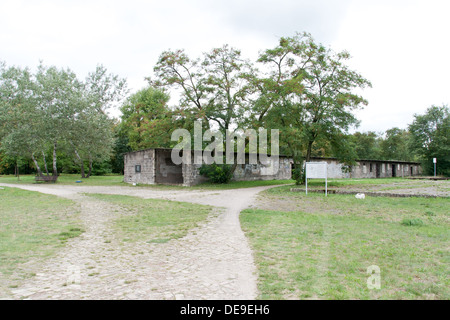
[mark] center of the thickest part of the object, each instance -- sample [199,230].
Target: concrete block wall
[248,172]
[167,171]
[144,158]
[243,172]
[362,169]
[191,175]
[156,168]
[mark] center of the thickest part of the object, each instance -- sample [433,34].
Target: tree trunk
[16,171]
[45,163]
[39,171]
[309,151]
[83,175]
[90,166]
[55,169]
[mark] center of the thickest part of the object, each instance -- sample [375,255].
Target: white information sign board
[316,170]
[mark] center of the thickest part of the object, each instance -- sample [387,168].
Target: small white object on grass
[360,196]
[134,184]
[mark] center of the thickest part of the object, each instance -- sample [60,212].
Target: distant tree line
[427,137]
[55,121]
[51,121]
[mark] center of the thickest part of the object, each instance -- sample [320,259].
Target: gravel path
[214,261]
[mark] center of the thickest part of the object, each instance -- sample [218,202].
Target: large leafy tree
[367,145]
[59,98]
[91,136]
[394,146]
[147,119]
[309,94]
[52,110]
[121,146]
[213,88]
[430,138]
[22,123]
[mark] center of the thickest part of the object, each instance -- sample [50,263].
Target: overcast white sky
[401,46]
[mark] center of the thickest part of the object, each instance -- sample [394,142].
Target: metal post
[434,162]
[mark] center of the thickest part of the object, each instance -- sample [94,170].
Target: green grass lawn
[154,220]
[320,247]
[117,180]
[32,227]
[69,179]
[242,184]
[361,182]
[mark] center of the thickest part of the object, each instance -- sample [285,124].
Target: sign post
[434,161]
[316,170]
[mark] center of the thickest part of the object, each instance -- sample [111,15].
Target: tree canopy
[430,138]
[52,109]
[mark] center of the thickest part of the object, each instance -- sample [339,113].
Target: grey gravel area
[214,261]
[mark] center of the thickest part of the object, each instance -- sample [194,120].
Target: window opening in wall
[137,168]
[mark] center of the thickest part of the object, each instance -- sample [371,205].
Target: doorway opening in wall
[378,170]
[167,172]
[394,170]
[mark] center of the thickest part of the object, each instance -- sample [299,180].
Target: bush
[217,173]
[412,222]
[299,176]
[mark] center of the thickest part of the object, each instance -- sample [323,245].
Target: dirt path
[213,261]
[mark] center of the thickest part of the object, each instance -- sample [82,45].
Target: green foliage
[147,121]
[367,145]
[101,168]
[298,175]
[120,147]
[412,222]
[395,145]
[214,87]
[51,110]
[309,93]
[217,173]
[430,138]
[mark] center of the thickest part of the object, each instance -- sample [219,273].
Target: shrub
[217,173]
[412,222]
[299,176]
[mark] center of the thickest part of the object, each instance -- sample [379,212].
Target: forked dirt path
[214,261]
